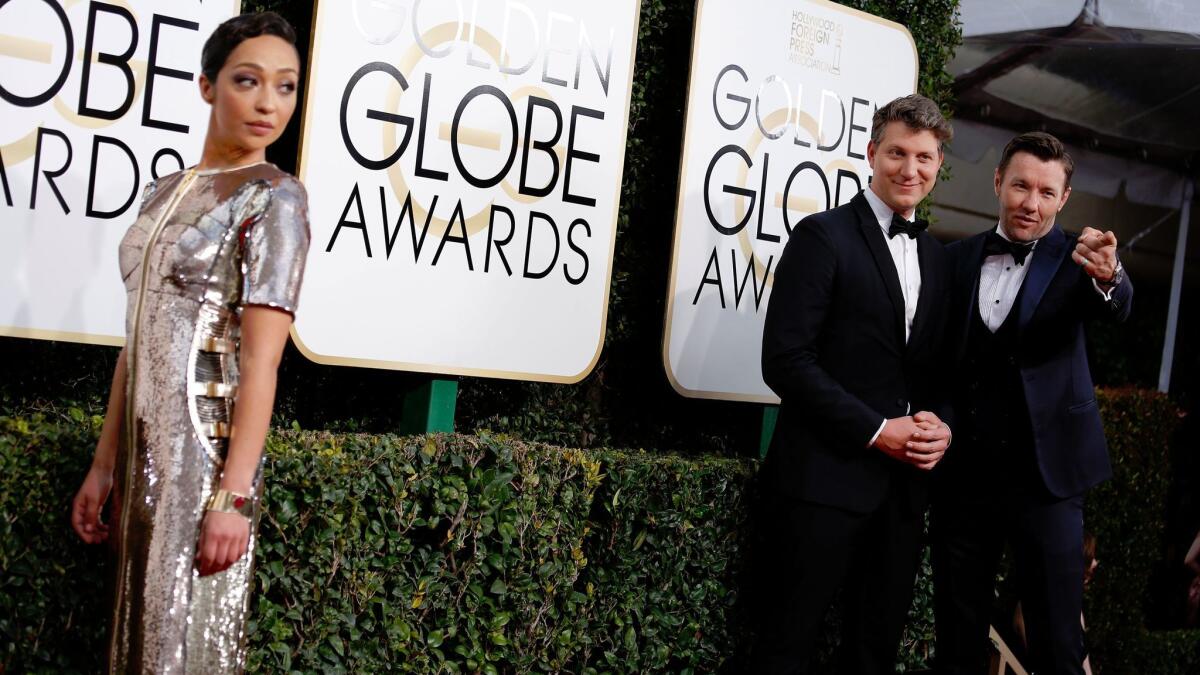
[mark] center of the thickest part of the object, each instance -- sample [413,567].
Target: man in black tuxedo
[852,334]
[1029,441]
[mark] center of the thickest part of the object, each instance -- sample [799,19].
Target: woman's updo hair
[237,30]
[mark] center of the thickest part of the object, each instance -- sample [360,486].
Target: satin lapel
[877,244]
[966,277]
[931,282]
[1046,259]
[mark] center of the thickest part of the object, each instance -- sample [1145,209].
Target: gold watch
[226,501]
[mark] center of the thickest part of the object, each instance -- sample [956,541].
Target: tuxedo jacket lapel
[874,237]
[966,281]
[930,285]
[1043,263]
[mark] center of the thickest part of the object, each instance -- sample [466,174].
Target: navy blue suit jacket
[1057,298]
[834,351]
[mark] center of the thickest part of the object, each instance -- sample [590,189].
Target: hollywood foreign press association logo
[815,42]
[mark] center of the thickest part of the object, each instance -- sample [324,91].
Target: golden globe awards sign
[96,99]
[779,110]
[463,161]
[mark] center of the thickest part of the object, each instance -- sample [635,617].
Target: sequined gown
[205,245]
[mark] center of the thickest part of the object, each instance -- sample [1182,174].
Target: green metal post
[430,407]
[770,414]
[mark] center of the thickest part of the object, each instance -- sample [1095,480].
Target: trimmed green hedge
[444,553]
[454,553]
[53,589]
[1127,515]
[425,552]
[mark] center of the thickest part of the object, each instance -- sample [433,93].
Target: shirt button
[997,302]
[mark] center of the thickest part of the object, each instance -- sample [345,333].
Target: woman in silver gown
[212,269]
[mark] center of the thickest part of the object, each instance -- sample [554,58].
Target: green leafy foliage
[668,536]
[53,588]
[1127,516]
[421,554]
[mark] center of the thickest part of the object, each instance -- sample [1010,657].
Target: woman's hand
[85,510]
[224,538]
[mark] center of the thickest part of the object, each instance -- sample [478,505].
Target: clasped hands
[920,439]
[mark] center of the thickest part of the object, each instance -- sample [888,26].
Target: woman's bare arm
[224,537]
[89,501]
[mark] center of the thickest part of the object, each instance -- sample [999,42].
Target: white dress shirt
[904,256]
[908,269]
[1000,280]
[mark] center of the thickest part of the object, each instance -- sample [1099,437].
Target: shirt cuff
[877,432]
[1107,295]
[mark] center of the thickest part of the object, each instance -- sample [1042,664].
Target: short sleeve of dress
[148,192]
[276,246]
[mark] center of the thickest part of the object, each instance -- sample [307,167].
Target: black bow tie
[902,226]
[994,244]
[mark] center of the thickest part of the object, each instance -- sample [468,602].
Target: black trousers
[812,551]
[1046,538]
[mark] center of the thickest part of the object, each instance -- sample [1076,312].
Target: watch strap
[1117,277]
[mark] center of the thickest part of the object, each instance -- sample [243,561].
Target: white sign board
[779,110]
[96,100]
[463,162]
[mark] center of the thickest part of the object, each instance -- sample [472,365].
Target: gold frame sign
[779,109]
[96,100]
[463,161]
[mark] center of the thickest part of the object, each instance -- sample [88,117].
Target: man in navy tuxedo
[1029,441]
[851,345]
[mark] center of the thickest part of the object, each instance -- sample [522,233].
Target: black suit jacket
[834,351]
[1057,298]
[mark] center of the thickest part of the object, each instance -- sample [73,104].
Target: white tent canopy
[1114,74]
[988,17]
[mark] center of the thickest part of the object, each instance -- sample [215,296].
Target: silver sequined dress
[205,244]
